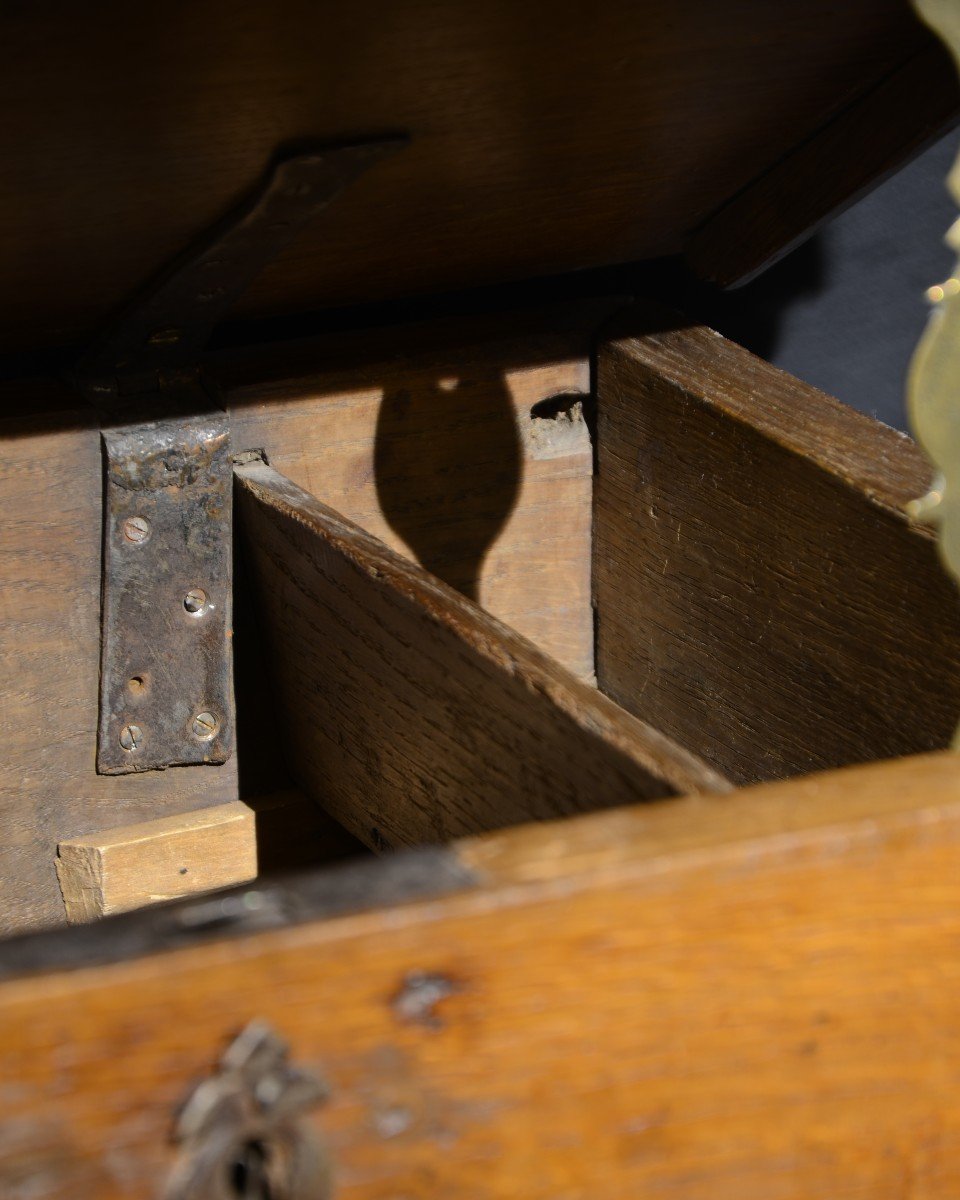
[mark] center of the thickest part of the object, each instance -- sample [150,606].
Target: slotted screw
[195,601]
[136,529]
[205,725]
[130,737]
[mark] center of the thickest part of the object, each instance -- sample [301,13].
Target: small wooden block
[135,865]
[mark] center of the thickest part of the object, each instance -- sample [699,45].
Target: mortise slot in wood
[411,714]
[759,589]
[136,865]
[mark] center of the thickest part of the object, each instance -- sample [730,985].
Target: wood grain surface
[748,996]
[543,137]
[875,136]
[761,596]
[314,406]
[427,436]
[412,715]
[126,868]
[50,494]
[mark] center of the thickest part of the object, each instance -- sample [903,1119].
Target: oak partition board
[426,436]
[761,595]
[755,990]
[50,536]
[544,138]
[412,715]
[281,398]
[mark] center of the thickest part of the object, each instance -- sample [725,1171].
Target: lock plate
[243,1131]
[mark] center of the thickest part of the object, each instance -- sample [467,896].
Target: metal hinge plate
[166,688]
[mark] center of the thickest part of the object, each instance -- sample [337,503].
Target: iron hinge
[166,689]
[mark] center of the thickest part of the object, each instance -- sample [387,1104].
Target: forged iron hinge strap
[166,679]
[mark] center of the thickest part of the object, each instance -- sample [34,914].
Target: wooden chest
[588,668]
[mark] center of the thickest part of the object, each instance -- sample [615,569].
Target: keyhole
[248,1173]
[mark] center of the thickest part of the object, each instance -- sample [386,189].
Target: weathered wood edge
[858,149]
[486,636]
[882,465]
[129,866]
[355,887]
[831,809]
[517,335]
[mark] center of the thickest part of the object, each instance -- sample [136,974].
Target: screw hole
[183,870]
[196,602]
[136,684]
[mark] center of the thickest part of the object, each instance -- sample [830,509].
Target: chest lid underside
[542,138]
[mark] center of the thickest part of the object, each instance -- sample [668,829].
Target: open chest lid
[542,138]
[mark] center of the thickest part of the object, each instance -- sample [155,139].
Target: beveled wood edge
[881,464]
[870,139]
[532,331]
[830,811]
[129,866]
[483,633]
[519,336]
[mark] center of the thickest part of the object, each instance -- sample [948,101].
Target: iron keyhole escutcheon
[242,1134]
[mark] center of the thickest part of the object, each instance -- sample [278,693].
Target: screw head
[136,529]
[131,737]
[205,726]
[195,602]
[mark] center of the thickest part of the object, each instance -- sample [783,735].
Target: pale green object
[933,385]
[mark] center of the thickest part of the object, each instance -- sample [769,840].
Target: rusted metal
[164,666]
[158,341]
[241,1133]
[166,691]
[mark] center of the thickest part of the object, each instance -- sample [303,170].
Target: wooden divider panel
[742,997]
[461,443]
[410,713]
[761,596]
